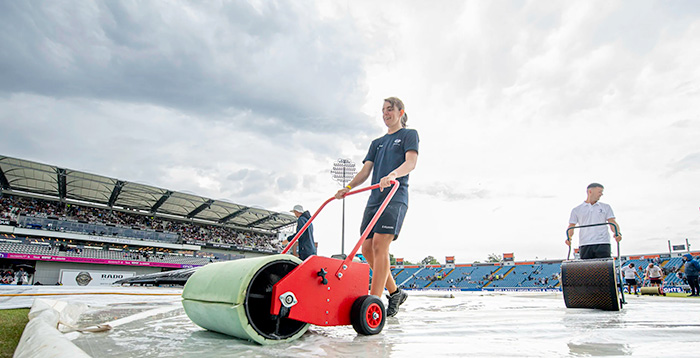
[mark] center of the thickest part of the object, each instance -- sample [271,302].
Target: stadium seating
[45,249]
[98,222]
[39,214]
[477,277]
[514,277]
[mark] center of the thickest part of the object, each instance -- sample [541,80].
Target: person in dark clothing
[21,276]
[390,157]
[306,240]
[692,270]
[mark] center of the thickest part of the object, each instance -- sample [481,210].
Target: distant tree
[429,261]
[494,258]
[392,259]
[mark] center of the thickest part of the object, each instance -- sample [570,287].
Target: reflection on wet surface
[599,349]
[471,324]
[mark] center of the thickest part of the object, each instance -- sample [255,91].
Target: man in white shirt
[594,242]
[631,276]
[655,276]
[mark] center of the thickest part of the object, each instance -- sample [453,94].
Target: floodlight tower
[343,171]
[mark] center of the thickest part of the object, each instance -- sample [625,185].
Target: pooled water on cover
[470,324]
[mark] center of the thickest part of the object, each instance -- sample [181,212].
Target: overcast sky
[519,106]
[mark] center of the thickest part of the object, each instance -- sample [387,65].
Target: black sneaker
[395,300]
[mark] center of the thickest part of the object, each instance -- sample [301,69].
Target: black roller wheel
[258,301]
[367,315]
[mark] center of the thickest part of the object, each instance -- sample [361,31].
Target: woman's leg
[381,270]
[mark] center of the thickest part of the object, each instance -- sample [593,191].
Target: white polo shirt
[654,272]
[587,214]
[629,272]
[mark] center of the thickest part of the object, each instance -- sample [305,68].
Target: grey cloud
[545,64]
[287,182]
[445,192]
[280,62]
[309,182]
[689,162]
[255,187]
[684,123]
[238,175]
[143,144]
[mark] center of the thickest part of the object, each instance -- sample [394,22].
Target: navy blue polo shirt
[388,153]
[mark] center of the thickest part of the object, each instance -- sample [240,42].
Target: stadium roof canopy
[25,176]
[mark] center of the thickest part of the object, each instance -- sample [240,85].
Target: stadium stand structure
[67,217]
[60,215]
[542,275]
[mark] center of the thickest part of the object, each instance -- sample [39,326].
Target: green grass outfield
[669,294]
[12,324]
[679,294]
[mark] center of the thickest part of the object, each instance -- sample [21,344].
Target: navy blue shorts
[595,251]
[389,222]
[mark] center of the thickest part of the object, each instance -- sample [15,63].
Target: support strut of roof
[115,192]
[256,222]
[162,200]
[206,205]
[283,225]
[61,182]
[4,183]
[232,215]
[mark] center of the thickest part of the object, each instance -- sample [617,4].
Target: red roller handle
[381,209]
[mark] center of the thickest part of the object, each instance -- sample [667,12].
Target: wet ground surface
[472,324]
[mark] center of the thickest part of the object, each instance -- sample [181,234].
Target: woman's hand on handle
[341,193]
[386,181]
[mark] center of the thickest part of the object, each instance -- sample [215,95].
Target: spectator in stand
[631,277]
[306,240]
[682,277]
[8,277]
[21,276]
[692,270]
[655,276]
[594,242]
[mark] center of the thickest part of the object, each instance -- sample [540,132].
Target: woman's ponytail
[398,104]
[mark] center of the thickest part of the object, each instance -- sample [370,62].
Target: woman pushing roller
[390,157]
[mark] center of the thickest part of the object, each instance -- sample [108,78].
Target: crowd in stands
[12,207]
[145,253]
[9,276]
[109,251]
[465,278]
